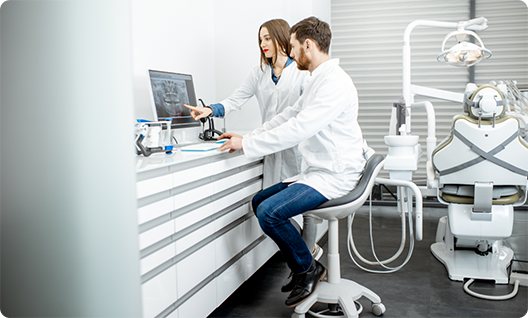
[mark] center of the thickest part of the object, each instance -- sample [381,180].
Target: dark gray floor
[420,289]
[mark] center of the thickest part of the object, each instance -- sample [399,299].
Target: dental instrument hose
[352,246]
[389,260]
[490,297]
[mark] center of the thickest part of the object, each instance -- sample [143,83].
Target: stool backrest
[342,207]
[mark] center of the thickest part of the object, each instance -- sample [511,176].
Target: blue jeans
[274,206]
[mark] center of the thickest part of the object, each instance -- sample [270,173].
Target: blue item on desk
[208,146]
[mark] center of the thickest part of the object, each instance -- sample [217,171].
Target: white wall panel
[201,304]
[159,293]
[230,244]
[230,280]
[507,38]
[154,210]
[201,264]
[153,260]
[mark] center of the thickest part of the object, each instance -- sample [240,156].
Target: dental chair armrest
[525,193]
[432,181]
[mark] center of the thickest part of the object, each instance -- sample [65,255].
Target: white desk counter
[199,240]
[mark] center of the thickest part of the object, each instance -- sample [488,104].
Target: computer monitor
[168,92]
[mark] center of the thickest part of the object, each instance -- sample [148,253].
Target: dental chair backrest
[483,146]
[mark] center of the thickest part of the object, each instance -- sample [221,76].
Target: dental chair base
[479,253]
[463,264]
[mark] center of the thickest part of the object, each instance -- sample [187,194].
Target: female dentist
[277,83]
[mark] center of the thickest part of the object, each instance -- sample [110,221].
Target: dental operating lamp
[463,54]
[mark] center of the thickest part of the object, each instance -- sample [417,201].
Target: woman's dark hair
[279,31]
[314,29]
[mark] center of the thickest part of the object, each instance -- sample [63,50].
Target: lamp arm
[437,93]
[406,57]
[473,34]
[477,24]
[430,23]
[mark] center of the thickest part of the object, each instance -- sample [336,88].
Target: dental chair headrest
[486,101]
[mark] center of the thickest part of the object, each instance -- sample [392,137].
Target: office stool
[336,291]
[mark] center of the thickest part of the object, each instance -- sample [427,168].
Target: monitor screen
[169,91]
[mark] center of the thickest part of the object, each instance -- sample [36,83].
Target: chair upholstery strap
[483,155]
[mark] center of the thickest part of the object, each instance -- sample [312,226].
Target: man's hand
[234,143]
[228,136]
[199,112]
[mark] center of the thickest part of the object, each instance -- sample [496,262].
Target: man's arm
[330,101]
[235,141]
[280,118]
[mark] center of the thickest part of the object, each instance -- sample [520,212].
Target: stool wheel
[296,315]
[378,309]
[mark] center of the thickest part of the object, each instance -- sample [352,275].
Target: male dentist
[323,123]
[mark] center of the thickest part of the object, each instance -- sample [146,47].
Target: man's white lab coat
[323,123]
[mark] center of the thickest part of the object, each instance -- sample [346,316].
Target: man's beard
[302,62]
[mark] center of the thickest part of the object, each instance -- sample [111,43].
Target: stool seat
[335,291]
[342,207]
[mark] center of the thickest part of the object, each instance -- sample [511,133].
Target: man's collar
[326,64]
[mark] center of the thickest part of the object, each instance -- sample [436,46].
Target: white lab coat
[272,100]
[323,122]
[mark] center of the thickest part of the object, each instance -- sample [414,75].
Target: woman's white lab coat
[323,122]
[272,100]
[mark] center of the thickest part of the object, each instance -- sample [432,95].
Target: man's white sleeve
[329,102]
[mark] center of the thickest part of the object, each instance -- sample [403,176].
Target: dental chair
[341,293]
[482,169]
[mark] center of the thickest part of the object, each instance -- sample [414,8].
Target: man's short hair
[314,29]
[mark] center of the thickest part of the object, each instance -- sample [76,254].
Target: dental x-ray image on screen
[169,96]
[169,91]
